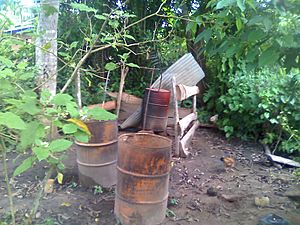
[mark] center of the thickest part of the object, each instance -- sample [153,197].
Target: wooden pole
[78,89]
[124,72]
[176,144]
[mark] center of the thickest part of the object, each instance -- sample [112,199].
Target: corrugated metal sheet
[186,71]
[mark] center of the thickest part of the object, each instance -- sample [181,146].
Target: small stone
[38,215]
[212,191]
[262,201]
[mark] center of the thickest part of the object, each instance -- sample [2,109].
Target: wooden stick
[195,104]
[176,114]
[124,72]
[78,89]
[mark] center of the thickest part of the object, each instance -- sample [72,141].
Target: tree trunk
[46,46]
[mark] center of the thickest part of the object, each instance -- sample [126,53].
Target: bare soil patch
[230,199]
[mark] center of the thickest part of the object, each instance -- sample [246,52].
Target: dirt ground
[190,202]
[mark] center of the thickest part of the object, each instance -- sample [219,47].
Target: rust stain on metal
[102,131]
[97,159]
[143,178]
[155,109]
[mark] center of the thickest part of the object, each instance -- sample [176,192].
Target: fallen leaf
[67,204]
[49,186]
[60,178]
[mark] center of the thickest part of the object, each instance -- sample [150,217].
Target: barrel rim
[146,134]
[102,121]
[96,144]
[158,90]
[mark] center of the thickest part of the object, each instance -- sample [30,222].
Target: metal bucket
[143,178]
[155,113]
[97,159]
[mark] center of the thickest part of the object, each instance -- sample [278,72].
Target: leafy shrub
[263,106]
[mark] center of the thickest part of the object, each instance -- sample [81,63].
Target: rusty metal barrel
[155,113]
[143,178]
[97,159]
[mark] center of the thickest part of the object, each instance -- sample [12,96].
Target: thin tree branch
[83,59]
[38,197]
[147,17]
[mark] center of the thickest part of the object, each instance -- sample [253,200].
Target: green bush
[264,106]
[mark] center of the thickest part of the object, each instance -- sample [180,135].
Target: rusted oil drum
[155,113]
[143,178]
[97,159]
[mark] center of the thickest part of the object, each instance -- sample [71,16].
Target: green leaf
[62,99]
[266,115]
[256,35]
[113,23]
[224,3]
[205,35]
[7,72]
[110,66]
[46,47]
[25,165]
[252,54]
[239,23]
[41,153]
[81,136]
[72,109]
[129,36]
[132,65]
[231,50]
[83,7]
[251,4]
[69,128]
[191,27]
[274,121]
[267,23]
[100,17]
[30,106]
[6,62]
[59,145]
[12,120]
[32,132]
[98,113]
[26,75]
[74,44]
[269,56]
[241,5]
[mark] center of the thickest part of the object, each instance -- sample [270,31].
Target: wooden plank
[186,140]
[176,114]
[185,122]
[184,92]
[282,160]
[195,104]
[127,98]
[124,72]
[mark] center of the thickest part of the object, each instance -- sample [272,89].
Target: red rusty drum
[155,113]
[142,178]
